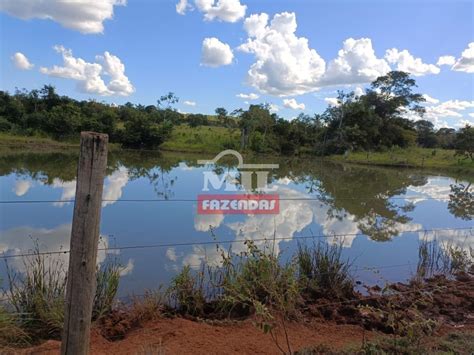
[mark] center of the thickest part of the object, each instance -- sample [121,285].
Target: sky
[292,54]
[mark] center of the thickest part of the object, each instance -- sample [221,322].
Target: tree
[141,132]
[222,115]
[196,120]
[425,134]
[464,142]
[165,105]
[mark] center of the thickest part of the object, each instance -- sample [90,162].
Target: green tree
[464,142]
[141,132]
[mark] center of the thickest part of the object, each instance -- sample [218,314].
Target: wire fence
[216,241]
[319,199]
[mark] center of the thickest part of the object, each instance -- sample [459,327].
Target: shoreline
[416,158]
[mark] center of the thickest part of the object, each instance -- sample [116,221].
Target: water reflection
[318,198]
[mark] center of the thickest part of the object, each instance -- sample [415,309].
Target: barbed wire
[230,196]
[217,242]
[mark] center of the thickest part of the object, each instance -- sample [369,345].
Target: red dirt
[178,336]
[450,302]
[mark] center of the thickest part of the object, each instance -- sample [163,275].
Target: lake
[151,226]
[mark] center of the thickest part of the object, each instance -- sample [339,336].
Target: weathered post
[81,279]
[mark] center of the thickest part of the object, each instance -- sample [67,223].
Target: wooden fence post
[81,279]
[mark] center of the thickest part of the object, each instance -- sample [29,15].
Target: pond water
[378,214]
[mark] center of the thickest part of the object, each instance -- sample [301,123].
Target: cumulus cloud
[291,103]
[90,75]
[21,61]
[23,238]
[429,99]
[21,187]
[448,109]
[408,63]
[189,103]
[114,186]
[221,10]
[358,91]
[446,60]
[466,62]
[332,101]
[356,63]
[85,16]
[285,65]
[251,96]
[215,53]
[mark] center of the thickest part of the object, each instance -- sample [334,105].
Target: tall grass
[37,295]
[322,272]
[435,258]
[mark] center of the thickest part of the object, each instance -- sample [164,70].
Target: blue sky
[162,50]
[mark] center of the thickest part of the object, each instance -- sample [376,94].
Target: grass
[37,296]
[202,139]
[323,272]
[409,157]
[254,282]
[442,259]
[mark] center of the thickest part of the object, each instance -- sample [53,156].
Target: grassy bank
[213,139]
[409,157]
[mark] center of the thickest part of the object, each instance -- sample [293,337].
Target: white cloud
[407,63]
[448,109]
[127,269]
[291,103]
[466,62]
[21,61]
[182,6]
[86,16]
[171,254]
[114,186]
[189,103]
[215,53]
[68,190]
[22,187]
[358,91]
[464,123]
[471,114]
[429,99]
[23,238]
[446,60]
[356,63]
[274,108]
[89,75]
[221,10]
[251,96]
[332,101]
[285,65]
[114,68]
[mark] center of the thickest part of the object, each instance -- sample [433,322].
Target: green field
[202,139]
[409,157]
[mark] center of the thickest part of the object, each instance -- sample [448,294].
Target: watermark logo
[241,196]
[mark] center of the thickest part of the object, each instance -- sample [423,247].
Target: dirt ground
[182,336]
[339,326]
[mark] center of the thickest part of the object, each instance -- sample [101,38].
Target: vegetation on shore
[409,157]
[376,121]
[255,283]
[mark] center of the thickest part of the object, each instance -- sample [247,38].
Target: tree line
[374,121]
